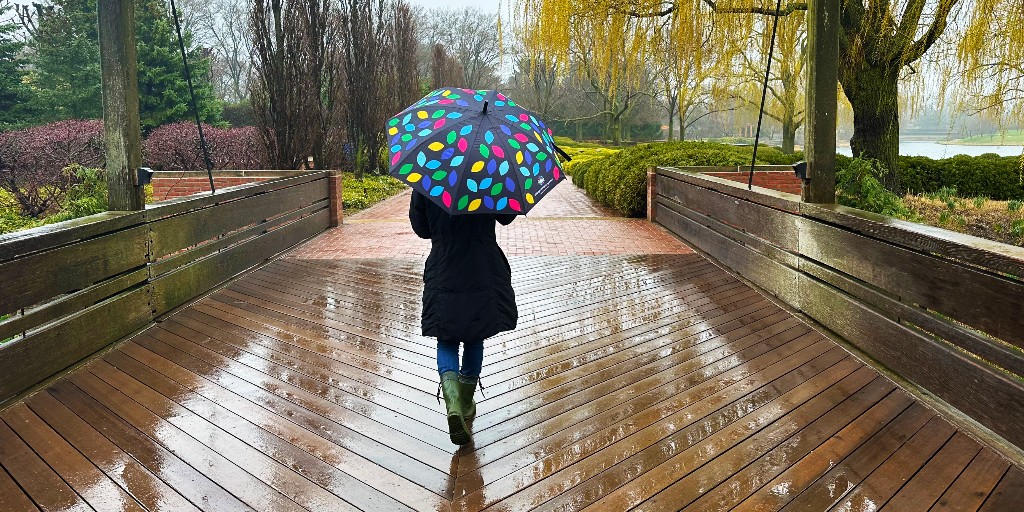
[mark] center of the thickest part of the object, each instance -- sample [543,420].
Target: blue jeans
[448,357]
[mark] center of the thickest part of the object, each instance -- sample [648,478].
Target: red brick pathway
[566,222]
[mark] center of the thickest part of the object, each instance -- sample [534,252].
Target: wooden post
[334,190]
[652,192]
[822,81]
[121,132]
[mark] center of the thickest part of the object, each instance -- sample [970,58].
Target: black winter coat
[467,282]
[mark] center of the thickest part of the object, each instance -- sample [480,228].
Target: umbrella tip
[485,107]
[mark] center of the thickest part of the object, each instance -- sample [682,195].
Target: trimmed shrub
[175,147]
[989,175]
[33,162]
[620,180]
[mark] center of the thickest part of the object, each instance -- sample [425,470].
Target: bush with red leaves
[175,147]
[33,162]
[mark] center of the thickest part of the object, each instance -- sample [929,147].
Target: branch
[708,113]
[584,118]
[669,9]
[789,9]
[936,29]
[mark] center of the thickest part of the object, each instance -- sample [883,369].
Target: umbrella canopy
[473,151]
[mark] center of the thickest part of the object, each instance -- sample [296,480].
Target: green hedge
[620,180]
[988,175]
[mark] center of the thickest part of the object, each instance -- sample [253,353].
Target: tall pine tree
[15,94]
[163,91]
[67,70]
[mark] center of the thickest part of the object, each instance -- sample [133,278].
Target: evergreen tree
[67,66]
[66,63]
[15,95]
[163,91]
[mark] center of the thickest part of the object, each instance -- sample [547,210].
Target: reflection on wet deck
[646,382]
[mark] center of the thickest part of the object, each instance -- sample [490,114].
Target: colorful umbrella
[473,151]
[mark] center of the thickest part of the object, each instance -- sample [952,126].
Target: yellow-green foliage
[359,194]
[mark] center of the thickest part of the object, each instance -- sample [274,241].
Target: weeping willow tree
[879,42]
[786,84]
[690,71]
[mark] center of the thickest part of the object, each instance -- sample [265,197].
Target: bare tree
[406,73]
[368,64]
[296,91]
[470,36]
[445,70]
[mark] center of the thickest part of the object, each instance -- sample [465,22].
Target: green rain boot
[451,387]
[467,388]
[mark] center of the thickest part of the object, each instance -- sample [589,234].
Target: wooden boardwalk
[658,382]
[634,380]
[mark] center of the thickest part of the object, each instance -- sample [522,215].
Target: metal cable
[192,95]
[764,94]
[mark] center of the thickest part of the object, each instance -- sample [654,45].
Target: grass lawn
[1010,138]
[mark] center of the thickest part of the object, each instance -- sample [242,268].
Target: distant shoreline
[1009,138]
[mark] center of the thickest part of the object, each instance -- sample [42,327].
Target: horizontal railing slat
[943,310]
[190,281]
[29,360]
[172,234]
[30,280]
[88,282]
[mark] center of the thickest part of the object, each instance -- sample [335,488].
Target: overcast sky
[483,5]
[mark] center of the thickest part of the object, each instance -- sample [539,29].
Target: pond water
[936,150]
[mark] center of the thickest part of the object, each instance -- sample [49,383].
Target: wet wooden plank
[11,496]
[33,475]
[118,465]
[975,484]
[73,467]
[1008,494]
[932,480]
[859,413]
[416,461]
[780,417]
[233,446]
[342,472]
[685,401]
[843,482]
[801,473]
[241,483]
[191,482]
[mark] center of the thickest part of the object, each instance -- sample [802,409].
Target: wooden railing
[70,289]
[941,309]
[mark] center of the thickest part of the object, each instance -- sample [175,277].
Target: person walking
[467,298]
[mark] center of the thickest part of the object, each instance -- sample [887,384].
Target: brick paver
[566,222]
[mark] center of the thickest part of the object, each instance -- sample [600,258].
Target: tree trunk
[682,124]
[788,135]
[874,95]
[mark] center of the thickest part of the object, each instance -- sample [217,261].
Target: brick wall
[782,181]
[172,187]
